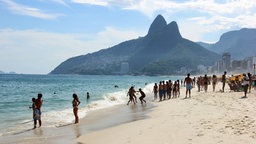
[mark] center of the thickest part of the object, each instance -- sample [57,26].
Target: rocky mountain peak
[157,24]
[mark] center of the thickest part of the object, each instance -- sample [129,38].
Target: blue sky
[37,35]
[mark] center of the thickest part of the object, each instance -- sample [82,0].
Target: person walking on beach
[75,104]
[155,90]
[223,80]
[250,81]
[143,95]
[206,82]
[189,84]
[245,85]
[214,82]
[131,94]
[38,105]
[194,81]
[198,83]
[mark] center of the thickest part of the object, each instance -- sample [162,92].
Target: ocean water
[16,92]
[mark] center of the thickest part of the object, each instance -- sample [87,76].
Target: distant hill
[162,51]
[240,44]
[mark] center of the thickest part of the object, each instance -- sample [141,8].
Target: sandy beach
[207,117]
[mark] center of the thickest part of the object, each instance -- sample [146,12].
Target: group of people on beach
[132,96]
[168,89]
[37,104]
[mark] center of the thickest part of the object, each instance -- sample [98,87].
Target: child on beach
[35,114]
[143,95]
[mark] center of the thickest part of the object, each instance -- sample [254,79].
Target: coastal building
[235,66]
[250,63]
[224,64]
[226,61]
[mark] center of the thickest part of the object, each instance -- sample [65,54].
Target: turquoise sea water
[16,92]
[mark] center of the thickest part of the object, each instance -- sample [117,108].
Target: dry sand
[207,117]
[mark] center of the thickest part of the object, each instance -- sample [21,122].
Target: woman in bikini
[75,104]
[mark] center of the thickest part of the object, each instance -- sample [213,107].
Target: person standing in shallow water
[75,104]
[143,95]
[131,94]
[38,105]
[155,90]
[87,96]
[35,116]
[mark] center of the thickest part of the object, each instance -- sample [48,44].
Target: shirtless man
[131,94]
[188,81]
[38,104]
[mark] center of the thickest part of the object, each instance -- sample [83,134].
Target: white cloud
[33,51]
[193,31]
[218,16]
[92,2]
[29,11]
[60,2]
[110,36]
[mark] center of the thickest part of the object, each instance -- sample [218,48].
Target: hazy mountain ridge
[240,43]
[161,51]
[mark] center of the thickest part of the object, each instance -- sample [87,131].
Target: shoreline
[94,121]
[207,117]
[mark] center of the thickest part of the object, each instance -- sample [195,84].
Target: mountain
[162,51]
[205,45]
[240,44]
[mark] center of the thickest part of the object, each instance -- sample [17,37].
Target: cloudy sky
[37,35]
